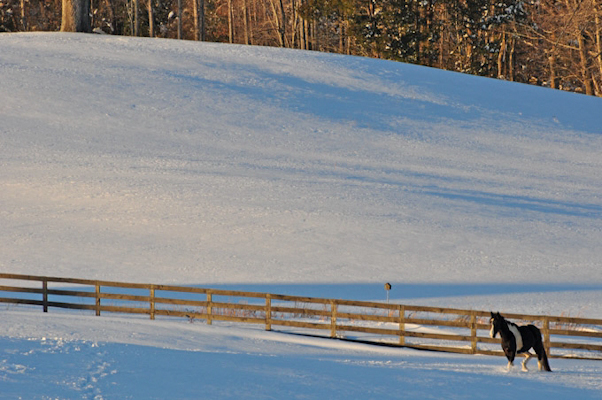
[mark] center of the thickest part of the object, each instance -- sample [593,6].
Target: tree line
[553,43]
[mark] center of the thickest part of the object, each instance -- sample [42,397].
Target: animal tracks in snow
[66,366]
[8,369]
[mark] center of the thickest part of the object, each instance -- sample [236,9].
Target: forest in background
[552,43]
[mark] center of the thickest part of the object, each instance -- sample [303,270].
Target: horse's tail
[539,348]
[544,360]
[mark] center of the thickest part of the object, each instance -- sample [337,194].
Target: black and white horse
[519,340]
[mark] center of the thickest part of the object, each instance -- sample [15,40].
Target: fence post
[152,301]
[268,312]
[473,332]
[546,335]
[45,294]
[97,299]
[209,299]
[402,325]
[333,319]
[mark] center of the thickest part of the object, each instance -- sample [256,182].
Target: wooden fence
[431,328]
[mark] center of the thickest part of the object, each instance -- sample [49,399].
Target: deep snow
[291,172]
[116,357]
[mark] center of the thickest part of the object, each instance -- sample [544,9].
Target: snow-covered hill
[293,172]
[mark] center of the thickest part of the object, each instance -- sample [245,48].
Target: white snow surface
[163,161]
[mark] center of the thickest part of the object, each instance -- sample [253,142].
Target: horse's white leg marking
[510,365]
[539,365]
[517,337]
[528,356]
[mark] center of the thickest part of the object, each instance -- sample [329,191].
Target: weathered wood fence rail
[432,328]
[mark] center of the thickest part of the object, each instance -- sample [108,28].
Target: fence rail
[433,328]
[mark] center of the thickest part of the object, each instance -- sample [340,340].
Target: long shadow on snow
[547,206]
[376,291]
[375,108]
[363,108]
[366,175]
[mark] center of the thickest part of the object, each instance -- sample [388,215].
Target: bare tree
[180,22]
[230,22]
[23,15]
[598,41]
[557,43]
[199,19]
[76,16]
[151,18]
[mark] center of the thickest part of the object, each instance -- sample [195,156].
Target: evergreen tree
[397,30]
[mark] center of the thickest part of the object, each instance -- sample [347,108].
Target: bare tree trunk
[585,75]
[341,38]
[202,27]
[136,24]
[511,61]
[597,89]
[195,15]
[92,14]
[301,39]
[179,19]
[276,23]
[151,17]
[199,20]
[417,29]
[23,17]
[315,39]
[294,24]
[598,36]
[553,82]
[253,23]
[245,21]
[230,23]
[501,57]
[347,39]
[283,25]
[442,40]
[76,16]
[306,33]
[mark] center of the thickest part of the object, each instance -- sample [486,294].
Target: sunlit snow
[284,171]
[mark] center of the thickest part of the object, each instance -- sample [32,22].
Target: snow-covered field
[291,172]
[62,356]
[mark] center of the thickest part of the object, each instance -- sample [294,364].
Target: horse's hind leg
[528,356]
[542,360]
[542,357]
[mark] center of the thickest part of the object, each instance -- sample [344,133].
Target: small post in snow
[387,288]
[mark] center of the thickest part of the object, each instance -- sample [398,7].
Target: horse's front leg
[528,356]
[510,356]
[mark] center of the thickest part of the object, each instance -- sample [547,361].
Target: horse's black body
[519,340]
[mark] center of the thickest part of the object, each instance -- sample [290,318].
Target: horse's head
[496,322]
